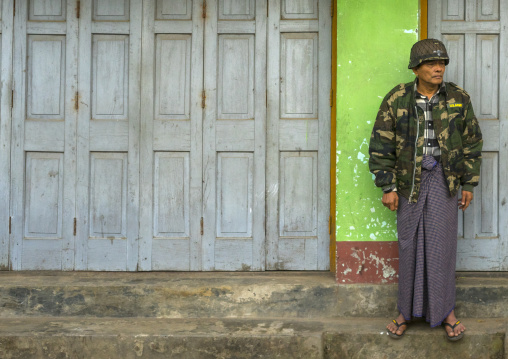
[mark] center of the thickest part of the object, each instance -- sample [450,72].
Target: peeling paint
[371,262]
[361,216]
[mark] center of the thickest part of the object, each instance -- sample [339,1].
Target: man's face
[430,72]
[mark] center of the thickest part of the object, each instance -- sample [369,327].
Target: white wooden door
[298,134]
[171,136]
[43,135]
[6,38]
[234,135]
[140,138]
[108,135]
[475,33]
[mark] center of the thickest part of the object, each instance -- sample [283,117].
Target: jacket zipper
[415,149]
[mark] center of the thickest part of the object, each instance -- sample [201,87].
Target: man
[425,149]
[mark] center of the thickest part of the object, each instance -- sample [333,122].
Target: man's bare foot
[393,328]
[452,320]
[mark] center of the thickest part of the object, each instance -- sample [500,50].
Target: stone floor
[233,315]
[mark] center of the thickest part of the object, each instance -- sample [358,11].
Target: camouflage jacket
[396,142]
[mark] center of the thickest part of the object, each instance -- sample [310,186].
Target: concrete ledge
[247,295]
[169,295]
[478,296]
[157,338]
[359,338]
[484,339]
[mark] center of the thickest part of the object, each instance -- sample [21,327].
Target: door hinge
[330,225]
[203,99]
[10,225]
[202,226]
[14,8]
[12,99]
[332,8]
[75,226]
[76,101]
[331,97]
[78,8]
[204,9]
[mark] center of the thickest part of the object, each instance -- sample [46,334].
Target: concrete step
[478,295]
[241,295]
[168,295]
[188,338]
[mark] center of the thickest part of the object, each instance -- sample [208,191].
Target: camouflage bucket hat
[427,50]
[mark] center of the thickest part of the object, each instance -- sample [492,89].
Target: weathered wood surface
[43,147]
[140,137]
[6,42]
[298,135]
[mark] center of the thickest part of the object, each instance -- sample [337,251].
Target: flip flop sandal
[395,335]
[455,338]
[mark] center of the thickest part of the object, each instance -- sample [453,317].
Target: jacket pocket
[456,161]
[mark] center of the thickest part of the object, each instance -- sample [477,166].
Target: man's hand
[466,199]
[391,200]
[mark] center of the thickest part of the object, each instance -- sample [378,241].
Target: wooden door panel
[453,10]
[235,83]
[234,242]
[488,10]
[171,195]
[174,10]
[111,10]
[6,86]
[110,84]
[109,126]
[108,133]
[108,211]
[171,151]
[298,194]
[173,58]
[234,135]
[299,9]
[43,195]
[47,10]
[299,75]
[234,194]
[43,137]
[46,77]
[237,9]
[489,195]
[298,136]
[171,244]
[45,126]
[108,195]
[42,247]
[487,77]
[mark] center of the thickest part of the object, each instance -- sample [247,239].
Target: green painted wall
[374,38]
